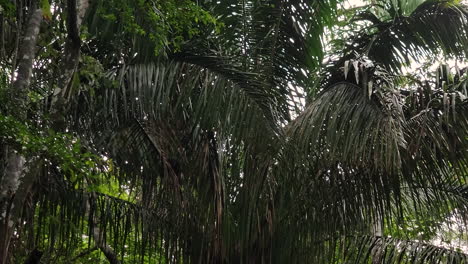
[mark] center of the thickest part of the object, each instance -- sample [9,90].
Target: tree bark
[14,187]
[106,249]
[76,10]
[13,205]
[2,36]
[15,169]
[19,16]
[27,53]
[97,234]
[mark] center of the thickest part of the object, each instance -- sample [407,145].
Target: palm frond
[345,124]
[282,38]
[434,27]
[394,250]
[362,149]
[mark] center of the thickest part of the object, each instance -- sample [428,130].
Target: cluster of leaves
[168,24]
[63,149]
[7,8]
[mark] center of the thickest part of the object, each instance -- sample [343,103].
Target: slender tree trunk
[109,252]
[15,167]
[19,26]
[13,207]
[2,36]
[72,47]
[18,95]
[106,249]
[76,10]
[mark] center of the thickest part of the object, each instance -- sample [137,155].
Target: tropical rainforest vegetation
[232,131]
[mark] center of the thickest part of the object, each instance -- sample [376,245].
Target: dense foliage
[180,131]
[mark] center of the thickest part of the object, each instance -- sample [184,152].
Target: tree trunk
[18,94]
[15,167]
[98,235]
[106,249]
[76,11]
[14,187]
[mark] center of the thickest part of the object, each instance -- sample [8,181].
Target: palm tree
[239,145]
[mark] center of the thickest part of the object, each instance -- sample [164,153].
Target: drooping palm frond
[436,127]
[195,93]
[67,214]
[396,40]
[337,205]
[428,207]
[394,250]
[344,124]
[368,156]
[188,135]
[269,100]
[281,40]
[341,168]
[435,26]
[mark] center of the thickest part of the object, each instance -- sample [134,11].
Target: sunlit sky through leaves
[415,65]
